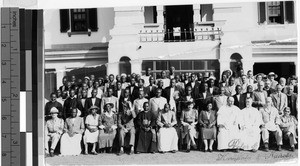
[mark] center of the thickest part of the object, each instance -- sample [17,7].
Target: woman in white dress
[167,135]
[189,119]
[91,132]
[70,140]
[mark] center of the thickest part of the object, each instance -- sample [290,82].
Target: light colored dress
[109,124]
[167,137]
[250,133]
[189,117]
[229,136]
[72,145]
[94,123]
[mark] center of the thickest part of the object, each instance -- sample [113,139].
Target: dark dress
[147,140]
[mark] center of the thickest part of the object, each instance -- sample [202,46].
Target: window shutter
[262,12]
[64,20]
[289,11]
[92,19]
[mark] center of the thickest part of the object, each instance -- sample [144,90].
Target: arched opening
[124,65]
[236,62]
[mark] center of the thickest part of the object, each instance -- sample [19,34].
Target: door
[179,18]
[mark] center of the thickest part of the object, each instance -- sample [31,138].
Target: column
[160,14]
[197,15]
[136,66]
[247,65]
[60,73]
[112,68]
[224,65]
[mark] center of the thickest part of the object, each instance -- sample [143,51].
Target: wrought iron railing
[185,35]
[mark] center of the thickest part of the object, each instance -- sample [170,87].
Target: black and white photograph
[167,84]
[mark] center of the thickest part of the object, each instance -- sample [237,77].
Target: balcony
[199,32]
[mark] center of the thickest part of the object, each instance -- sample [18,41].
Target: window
[78,21]
[150,14]
[276,12]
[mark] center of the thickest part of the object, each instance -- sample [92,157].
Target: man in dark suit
[212,88]
[82,100]
[124,98]
[137,89]
[247,94]
[65,84]
[70,103]
[203,98]
[238,97]
[53,103]
[292,100]
[93,101]
[132,88]
[151,89]
[195,86]
[172,93]
[119,91]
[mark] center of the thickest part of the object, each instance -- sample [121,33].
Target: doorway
[179,23]
[124,65]
[284,69]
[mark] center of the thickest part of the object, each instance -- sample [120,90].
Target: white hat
[53,110]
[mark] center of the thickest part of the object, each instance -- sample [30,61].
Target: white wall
[54,36]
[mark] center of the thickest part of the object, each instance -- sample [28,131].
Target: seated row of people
[152,132]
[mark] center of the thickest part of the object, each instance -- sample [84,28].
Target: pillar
[197,15]
[247,65]
[224,65]
[160,14]
[136,66]
[60,73]
[112,68]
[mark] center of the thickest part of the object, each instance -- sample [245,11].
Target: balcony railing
[177,35]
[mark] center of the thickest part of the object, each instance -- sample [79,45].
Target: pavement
[179,158]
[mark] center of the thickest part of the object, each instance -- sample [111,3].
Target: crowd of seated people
[171,113]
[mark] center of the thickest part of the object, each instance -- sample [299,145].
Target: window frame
[283,13]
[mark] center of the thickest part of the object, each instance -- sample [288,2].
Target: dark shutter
[93,21]
[154,14]
[64,20]
[262,12]
[289,11]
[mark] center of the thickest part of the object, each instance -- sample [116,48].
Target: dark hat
[111,105]
[189,103]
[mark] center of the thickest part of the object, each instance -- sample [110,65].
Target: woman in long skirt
[108,126]
[167,135]
[91,132]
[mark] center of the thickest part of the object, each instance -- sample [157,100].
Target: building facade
[260,36]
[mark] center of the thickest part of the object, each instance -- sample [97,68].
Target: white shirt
[211,90]
[171,93]
[119,94]
[93,101]
[204,95]
[238,97]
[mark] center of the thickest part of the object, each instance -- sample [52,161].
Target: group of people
[171,113]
